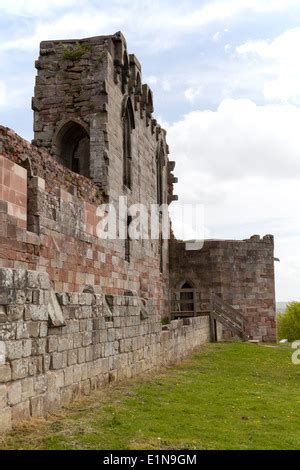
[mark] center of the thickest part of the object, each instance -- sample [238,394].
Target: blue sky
[226,81]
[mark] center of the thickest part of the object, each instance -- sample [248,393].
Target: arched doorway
[187,298]
[73,144]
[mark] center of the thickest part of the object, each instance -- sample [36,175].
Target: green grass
[228,396]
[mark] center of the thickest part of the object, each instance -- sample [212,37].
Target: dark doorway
[186,295]
[74,148]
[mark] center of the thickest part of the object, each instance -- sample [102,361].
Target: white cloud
[159,26]
[281,54]
[288,270]
[222,10]
[192,93]
[68,26]
[151,80]
[240,140]
[166,85]
[242,162]
[217,36]
[34,7]
[2,93]
[283,47]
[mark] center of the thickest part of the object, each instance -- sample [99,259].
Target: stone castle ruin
[78,311]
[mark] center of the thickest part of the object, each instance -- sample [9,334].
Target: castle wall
[65,243]
[74,314]
[89,82]
[54,348]
[146,140]
[78,310]
[240,272]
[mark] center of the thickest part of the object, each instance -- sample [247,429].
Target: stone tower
[90,108]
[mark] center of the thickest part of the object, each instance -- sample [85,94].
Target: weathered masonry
[241,273]
[76,310]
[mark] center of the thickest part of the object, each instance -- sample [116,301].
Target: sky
[226,81]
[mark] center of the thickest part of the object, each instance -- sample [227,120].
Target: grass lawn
[228,396]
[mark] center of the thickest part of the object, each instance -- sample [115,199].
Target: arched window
[128,126]
[160,162]
[73,144]
[187,299]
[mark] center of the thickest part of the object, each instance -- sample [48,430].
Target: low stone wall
[56,347]
[182,337]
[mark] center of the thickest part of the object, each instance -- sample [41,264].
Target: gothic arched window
[128,126]
[160,162]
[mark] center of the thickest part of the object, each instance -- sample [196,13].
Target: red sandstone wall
[13,190]
[64,243]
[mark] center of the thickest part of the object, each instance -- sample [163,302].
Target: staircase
[228,316]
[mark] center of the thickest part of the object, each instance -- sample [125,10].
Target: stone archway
[187,294]
[73,148]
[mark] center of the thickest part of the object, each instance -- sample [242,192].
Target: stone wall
[54,348]
[240,272]
[87,83]
[61,238]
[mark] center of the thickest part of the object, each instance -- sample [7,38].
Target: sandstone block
[44,281]
[40,384]
[14,393]
[52,344]
[69,376]
[20,412]
[19,369]
[33,328]
[3,397]
[5,420]
[27,388]
[20,278]
[22,330]
[15,312]
[35,365]
[5,373]
[36,312]
[6,277]
[37,406]
[33,279]
[59,360]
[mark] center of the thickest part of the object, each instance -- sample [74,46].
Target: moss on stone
[76,52]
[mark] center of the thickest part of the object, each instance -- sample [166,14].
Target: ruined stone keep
[77,311]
